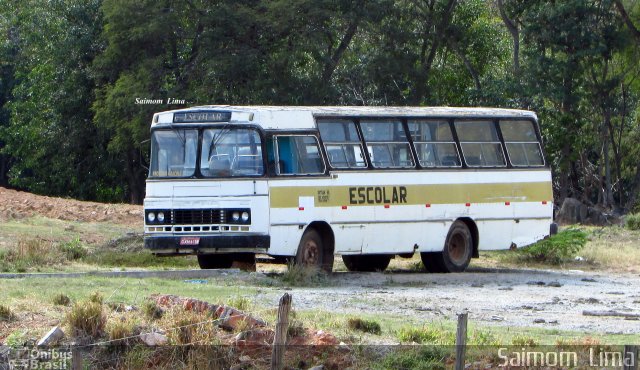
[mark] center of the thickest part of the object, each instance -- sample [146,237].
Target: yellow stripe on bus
[336,196]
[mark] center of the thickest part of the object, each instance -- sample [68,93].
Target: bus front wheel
[457,252]
[311,251]
[367,262]
[215,261]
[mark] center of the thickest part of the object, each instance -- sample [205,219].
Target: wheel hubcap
[457,248]
[311,253]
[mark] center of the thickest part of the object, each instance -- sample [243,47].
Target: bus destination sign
[200,117]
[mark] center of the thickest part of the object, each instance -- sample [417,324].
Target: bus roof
[303,117]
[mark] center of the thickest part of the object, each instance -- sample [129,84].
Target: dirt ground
[16,204]
[506,297]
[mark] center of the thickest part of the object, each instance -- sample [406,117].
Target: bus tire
[366,262]
[432,261]
[244,261]
[311,251]
[215,261]
[458,248]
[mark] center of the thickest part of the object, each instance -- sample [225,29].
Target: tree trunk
[627,20]
[4,169]
[426,61]
[515,35]
[135,177]
[467,63]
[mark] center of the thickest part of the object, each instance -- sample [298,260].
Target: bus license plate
[189,240]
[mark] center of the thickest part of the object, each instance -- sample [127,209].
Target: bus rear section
[206,191]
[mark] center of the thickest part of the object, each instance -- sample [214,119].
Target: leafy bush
[367,326]
[557,248]
[632,221]
[86,318]
[73,250]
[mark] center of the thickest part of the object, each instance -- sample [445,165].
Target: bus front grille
[198,216]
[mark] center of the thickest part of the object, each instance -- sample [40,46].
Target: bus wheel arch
[321,230]
[475,235]
[459,247]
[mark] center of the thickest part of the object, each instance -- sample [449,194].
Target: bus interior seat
[248,164]
[219,163]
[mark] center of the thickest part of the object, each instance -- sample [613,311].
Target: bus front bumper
[197,244]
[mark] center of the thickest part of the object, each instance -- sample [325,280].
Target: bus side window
[522,143]
[387,143]
[340,138]
[434,143]
[298,155]
[480,144]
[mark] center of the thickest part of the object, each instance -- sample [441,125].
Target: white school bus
[304,184]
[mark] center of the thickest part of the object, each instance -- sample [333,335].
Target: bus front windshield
[173,153]
[231,152]
[226,152]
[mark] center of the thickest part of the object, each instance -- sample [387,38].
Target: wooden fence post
[630,358]
[280,337]
[76,359]
[461,341]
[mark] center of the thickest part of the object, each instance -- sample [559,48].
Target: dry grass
[299,275]
[96,297]
[239,303]
[189,327]
[6,314]
[524,341]
[61,300]
[86,318]
[613,248]
[151,310]
[118,329]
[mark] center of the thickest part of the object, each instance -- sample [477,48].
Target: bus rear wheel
[215,261]
[366,262]
[311,252]
[457,252]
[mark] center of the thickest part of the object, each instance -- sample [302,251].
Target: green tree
[56,147]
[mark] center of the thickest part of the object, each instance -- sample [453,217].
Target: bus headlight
[160,216]
[245,216]
[235,216]
[151,216]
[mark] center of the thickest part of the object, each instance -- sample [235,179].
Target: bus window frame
[494,123]
[384,119]
[454,141]
[200,127]
[360,143]
[538,141]
[274,172]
